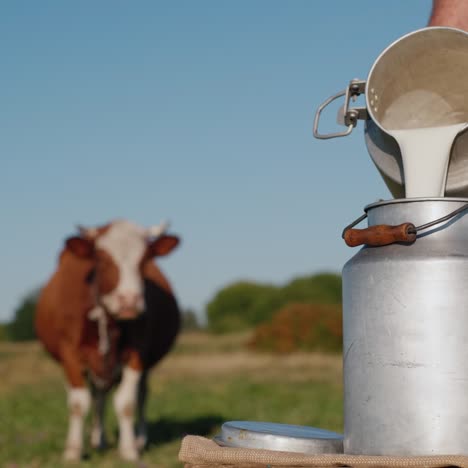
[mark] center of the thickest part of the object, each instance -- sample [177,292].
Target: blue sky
[198,112]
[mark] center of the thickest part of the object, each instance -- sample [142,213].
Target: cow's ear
[163,245]
[83,248]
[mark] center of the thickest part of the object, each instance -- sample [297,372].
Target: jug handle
[351,116]
[379,235]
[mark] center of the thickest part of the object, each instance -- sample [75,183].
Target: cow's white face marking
[126,244]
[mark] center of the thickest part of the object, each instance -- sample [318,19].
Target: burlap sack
[198,452]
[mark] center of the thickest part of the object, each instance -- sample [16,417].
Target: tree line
[21,326]
[304,313]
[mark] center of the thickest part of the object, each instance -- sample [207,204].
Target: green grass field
[205,381]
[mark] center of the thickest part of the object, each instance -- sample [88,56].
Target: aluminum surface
[280,437]
[405,329]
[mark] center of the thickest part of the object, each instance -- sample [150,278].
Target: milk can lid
[281,437]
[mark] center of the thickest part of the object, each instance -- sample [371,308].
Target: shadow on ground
[165,430]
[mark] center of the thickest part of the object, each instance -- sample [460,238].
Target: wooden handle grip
[379,235]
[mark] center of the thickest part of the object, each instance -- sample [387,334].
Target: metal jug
[419,81]
[405,328]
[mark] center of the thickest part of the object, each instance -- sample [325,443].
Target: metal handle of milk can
[383,234]
[351,115]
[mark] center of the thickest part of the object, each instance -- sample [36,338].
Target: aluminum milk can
[405,328]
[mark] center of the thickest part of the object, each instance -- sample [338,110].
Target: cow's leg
[98,436]
[141,429]
[78,406]
[79,401]
[124,402]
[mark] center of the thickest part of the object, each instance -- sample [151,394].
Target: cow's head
[119,251]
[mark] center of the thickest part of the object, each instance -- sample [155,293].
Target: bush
[324,288]
[21,328]
[235,307]
[307,327]
[244,305]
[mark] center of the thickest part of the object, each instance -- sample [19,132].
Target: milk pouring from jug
[416,113]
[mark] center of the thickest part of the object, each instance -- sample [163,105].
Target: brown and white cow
[108,315]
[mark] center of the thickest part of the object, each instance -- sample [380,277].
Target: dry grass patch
[294,367]
[197,355]
[25,364]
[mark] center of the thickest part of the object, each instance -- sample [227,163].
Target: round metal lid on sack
[280,437]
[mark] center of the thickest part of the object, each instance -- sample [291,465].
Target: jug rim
[398,201]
